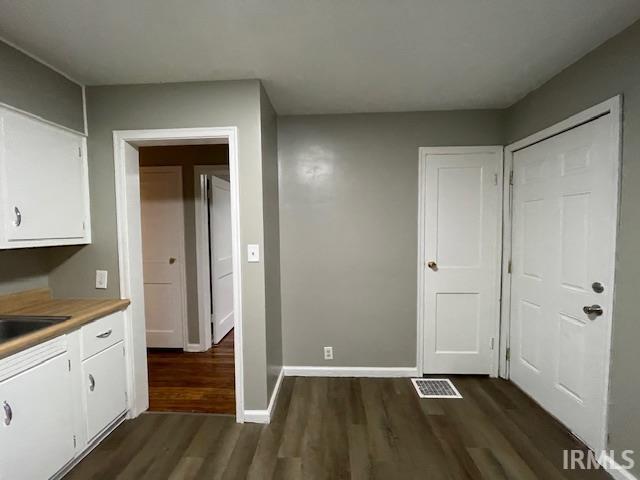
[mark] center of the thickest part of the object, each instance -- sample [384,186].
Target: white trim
[203,266]
[193,347]
[130,259]
[365,372]
[39,60]
[422,206]
[615,470]
[264,416]
[613,106]
[182,250]
[84,110]
[505,303]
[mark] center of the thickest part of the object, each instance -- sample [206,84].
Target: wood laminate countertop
[39,302]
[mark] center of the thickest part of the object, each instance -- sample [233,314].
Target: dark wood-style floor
[193,382]
[349,428]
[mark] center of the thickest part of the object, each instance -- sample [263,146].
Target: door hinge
[509,267]
[508,354]
[511,177]
[492,342]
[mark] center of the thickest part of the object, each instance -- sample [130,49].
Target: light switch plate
[253,253]
[101,279]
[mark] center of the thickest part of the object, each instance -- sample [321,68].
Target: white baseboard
[264,416]
[380,372]
[616,471]
[193,347]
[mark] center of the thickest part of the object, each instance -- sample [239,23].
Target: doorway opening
[174,364]
[186,226]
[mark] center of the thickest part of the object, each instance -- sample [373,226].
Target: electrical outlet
[101,279]
[328,353]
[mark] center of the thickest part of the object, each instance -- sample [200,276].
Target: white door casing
[127,186]
[162,214]
[564,221]
[221,257]
[460,233]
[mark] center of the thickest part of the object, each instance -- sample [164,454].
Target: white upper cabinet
[44,187]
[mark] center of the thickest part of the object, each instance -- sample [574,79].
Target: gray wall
[611,69]
[348,230]
[269,142]
[35,88]
[31,86]
[23,270]
[198,104]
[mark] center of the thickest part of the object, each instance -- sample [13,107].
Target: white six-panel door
[162,218]
[563,240]
[221,257]
[461,193]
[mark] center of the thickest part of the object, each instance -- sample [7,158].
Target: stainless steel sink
[12,326]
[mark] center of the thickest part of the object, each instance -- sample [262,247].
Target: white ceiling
[323,56]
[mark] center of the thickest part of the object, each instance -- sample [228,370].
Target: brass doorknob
[432,265]
[172,260]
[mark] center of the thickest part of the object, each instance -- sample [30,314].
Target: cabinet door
[43,180]
[105,388]
[36,427]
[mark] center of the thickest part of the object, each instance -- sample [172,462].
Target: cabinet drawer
[105,384]
[101,334]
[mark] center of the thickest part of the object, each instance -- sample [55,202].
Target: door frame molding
[130,250]
[182,249]
[202,258]
[422,208]
[612,106]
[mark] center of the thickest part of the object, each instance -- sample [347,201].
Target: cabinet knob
[92,383]
[8,413]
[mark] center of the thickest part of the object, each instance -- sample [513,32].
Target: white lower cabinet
[105,386]
[57,398]
[36,433]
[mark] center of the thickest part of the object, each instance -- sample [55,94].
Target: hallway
[193,382]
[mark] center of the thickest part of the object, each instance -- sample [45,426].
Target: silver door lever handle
[595,310]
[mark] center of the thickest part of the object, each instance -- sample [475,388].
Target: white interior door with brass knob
[163,253]
[460,191]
